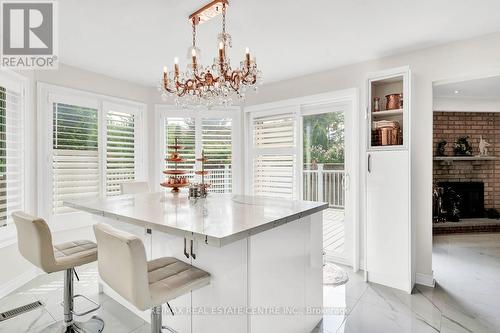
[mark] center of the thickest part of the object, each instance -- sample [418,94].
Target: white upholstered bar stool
[35,244]
[146,284]
[134,187]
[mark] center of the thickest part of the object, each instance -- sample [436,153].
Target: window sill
[8,236]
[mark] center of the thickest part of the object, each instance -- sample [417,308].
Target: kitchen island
[264,256]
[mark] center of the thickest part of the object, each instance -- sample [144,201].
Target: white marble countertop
[217,220]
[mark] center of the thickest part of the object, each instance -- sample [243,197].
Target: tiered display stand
[176,178]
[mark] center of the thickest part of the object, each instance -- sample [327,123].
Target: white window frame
[163,111]
[9,78]
[47,95]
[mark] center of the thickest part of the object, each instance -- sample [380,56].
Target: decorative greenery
[462,146]
[441,147]
[324,138]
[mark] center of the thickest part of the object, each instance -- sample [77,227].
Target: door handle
[193,255]
[369,163]
[185,248]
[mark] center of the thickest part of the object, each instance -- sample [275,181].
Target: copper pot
[393,101]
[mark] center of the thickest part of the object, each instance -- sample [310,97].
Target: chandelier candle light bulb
[176,68]
[221,51]
[216,84]
[247,56]
[193,56]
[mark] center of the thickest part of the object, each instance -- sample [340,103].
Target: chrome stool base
[93,325]
[68,325]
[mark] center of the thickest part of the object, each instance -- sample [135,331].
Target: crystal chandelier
[215,85]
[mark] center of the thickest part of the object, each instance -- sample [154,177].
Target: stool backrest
[34,240]
[122,264]
[134,187]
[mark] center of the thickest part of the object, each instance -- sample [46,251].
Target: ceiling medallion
[214,85]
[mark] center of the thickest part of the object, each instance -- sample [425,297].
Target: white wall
[465,59]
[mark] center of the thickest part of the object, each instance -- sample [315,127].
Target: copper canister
[393,101]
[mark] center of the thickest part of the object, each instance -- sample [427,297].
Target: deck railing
[324,185]
[220,180]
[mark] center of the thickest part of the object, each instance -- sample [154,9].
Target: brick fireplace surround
[449,126]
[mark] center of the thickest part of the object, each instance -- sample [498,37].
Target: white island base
[268,282]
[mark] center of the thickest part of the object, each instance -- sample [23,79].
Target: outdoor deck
[333,231]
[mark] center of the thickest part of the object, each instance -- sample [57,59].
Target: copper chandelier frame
[215,84]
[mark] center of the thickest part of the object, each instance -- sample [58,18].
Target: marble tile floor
[466,297]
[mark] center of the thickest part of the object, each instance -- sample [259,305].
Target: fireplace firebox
[467,197]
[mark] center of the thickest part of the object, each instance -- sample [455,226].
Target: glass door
[324,174]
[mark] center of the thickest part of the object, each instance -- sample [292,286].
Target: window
[210,132]
[75,155]
[216,142]
[182,129]
[96,144]
[11,150]
[273,154]
[120,150]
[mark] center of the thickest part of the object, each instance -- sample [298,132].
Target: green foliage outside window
[324,138]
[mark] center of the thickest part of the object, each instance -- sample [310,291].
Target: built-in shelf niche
[381,88]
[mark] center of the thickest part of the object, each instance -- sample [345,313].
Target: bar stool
[134,187]
[146,284]
[35,244]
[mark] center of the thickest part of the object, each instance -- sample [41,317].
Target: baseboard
[425,280]
[20,280]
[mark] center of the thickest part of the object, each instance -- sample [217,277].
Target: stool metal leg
[156,321]
[68,325]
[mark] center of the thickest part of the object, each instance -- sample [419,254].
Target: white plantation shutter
[274,175]
[274,155]
[11,152]
[276,131]
[75,158]
[120,150]
[184,129]
[217,147]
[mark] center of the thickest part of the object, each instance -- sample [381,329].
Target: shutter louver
[274,162]
[11,154]
[274,175]
[275,131]
[184,130]
[75,161]
[120,150]
[217,147]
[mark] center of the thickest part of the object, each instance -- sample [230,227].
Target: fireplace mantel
[464,158]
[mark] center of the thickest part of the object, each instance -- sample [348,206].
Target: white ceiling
[485,89]
[132,40]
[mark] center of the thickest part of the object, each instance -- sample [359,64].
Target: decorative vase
[376,104]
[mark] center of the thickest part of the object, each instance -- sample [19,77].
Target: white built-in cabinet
[389,228]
